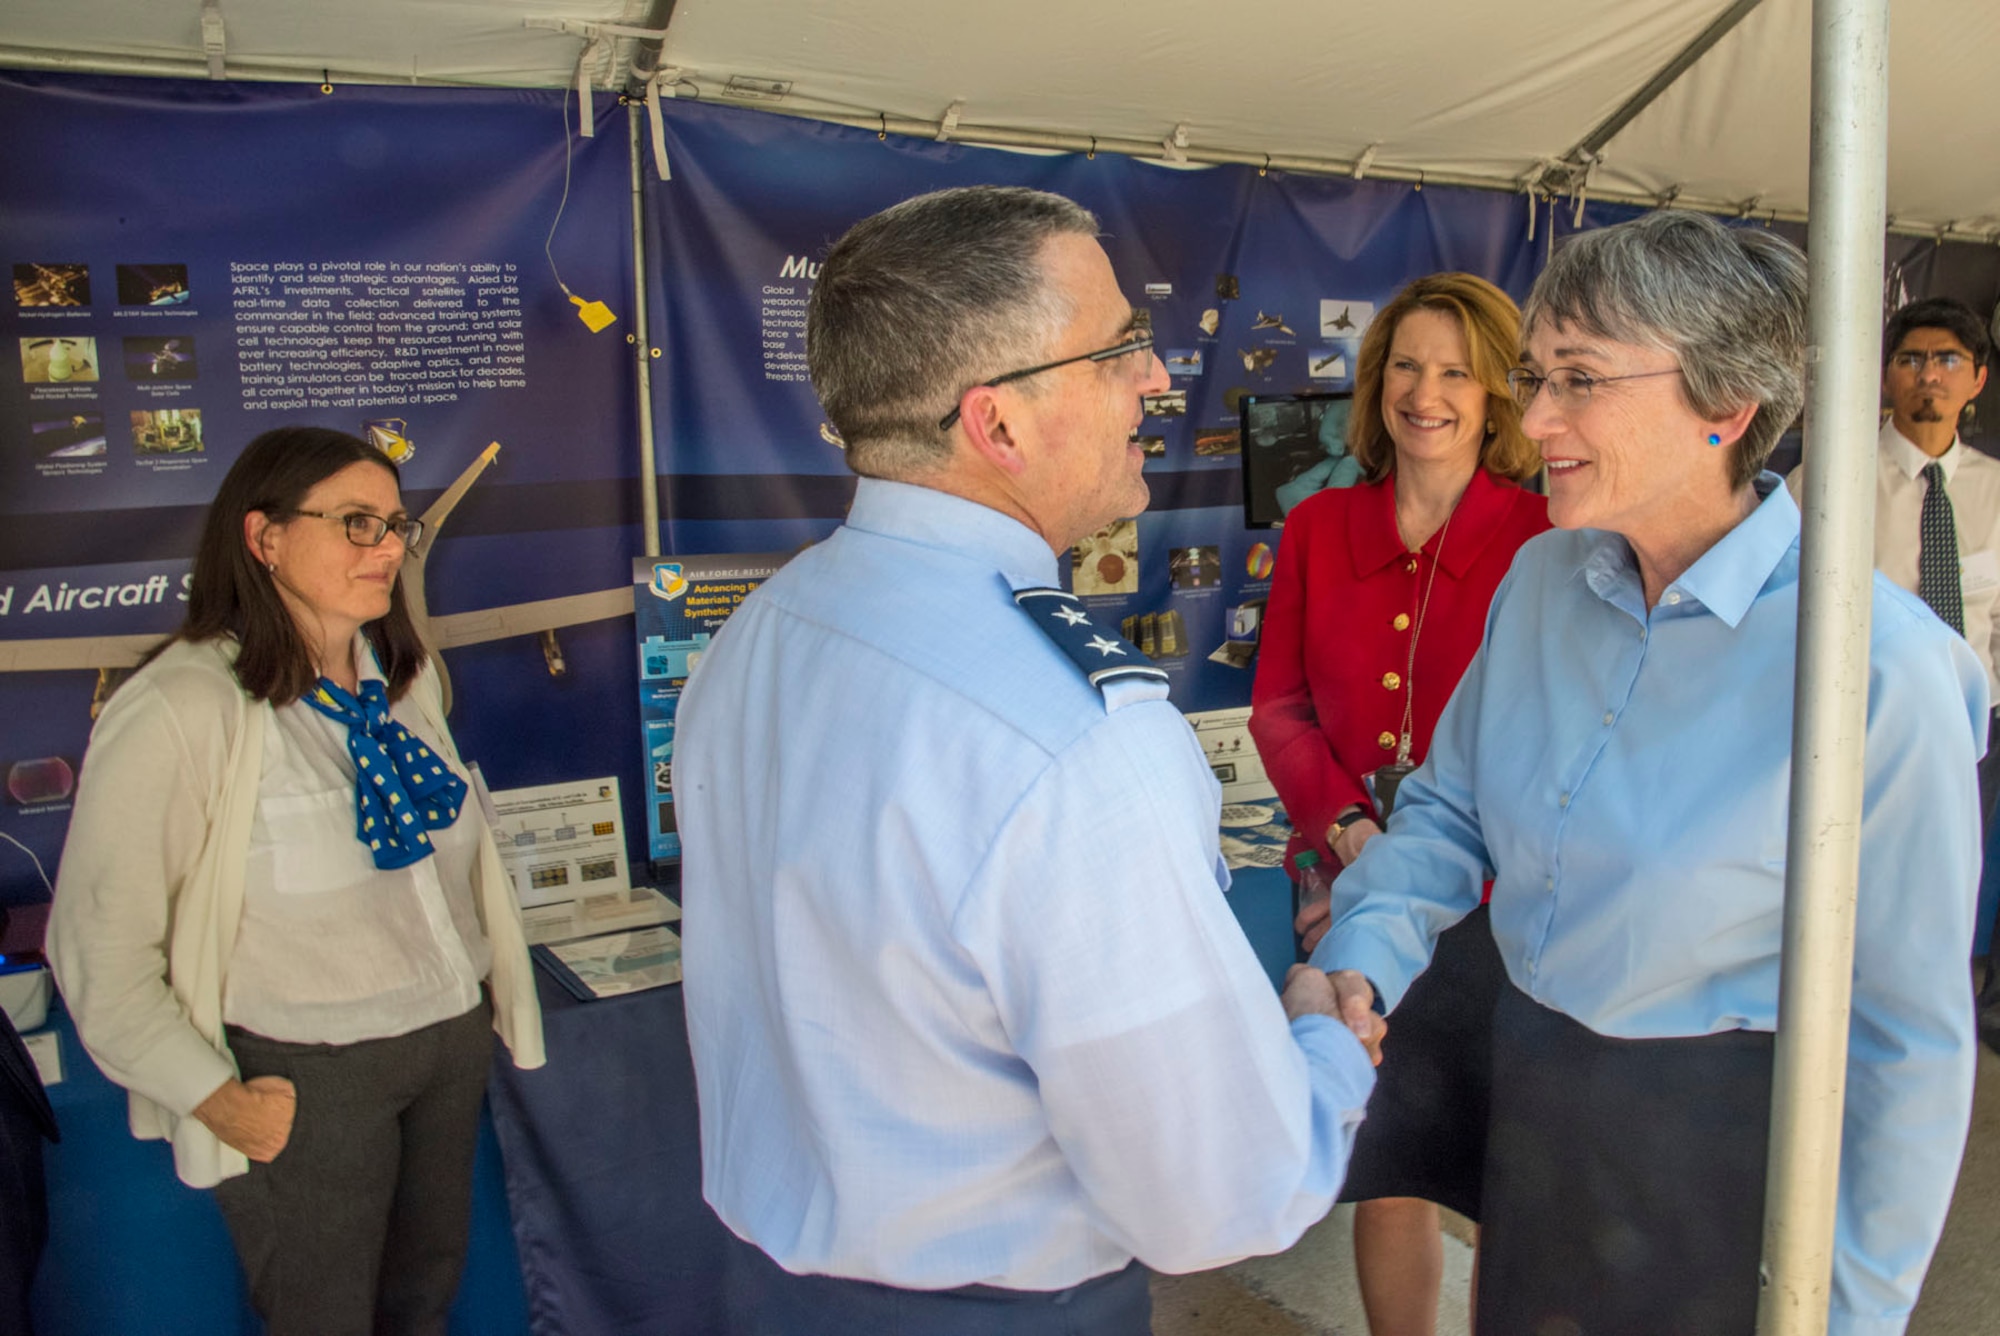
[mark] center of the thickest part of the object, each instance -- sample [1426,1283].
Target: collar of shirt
[1901,451]
[934,519]
[1374,541]
[366,668]
[1726,579]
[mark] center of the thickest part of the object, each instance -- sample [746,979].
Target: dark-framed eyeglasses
[1136,343]
[1914,360]
[365,530]
[1568,387]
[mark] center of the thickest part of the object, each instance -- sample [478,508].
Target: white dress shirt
[965,999]
[332,949]
[1972,481]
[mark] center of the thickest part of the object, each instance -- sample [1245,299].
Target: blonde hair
[1492,327]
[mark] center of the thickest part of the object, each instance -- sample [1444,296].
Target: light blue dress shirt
[1626,776]
[966,1002]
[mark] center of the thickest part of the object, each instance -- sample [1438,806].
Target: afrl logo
[668,580]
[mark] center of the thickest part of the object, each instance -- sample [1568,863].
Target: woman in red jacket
[1377,605]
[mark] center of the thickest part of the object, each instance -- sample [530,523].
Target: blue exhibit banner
[194,262]
[1256,283]
[679,603]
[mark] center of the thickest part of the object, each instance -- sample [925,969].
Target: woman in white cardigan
[281,921]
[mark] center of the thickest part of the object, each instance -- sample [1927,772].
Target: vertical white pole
[649,483]
[1850,62]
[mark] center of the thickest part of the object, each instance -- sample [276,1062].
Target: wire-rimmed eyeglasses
[365,530]
[1568,387]
[1137,343]
[1914,360]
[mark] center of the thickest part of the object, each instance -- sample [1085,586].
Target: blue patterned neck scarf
[401,788]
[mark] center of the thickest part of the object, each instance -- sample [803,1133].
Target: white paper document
[562,842]
[621,962]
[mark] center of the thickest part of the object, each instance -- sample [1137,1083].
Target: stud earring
[1714,438]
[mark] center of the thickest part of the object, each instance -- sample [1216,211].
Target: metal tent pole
[1850,53]
[649,482]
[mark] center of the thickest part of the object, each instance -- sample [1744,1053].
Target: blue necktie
[1937,553]
[401,789]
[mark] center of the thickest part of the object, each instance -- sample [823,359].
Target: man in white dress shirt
[973,1026]
[1937,503]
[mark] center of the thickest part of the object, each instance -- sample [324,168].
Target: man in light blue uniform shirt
[1618,760]
[973,1026]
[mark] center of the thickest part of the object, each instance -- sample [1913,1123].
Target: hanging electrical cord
[596,315]
[50,886]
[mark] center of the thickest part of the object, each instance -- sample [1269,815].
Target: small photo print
[1327,364]
[78,436]
[597,869]
[1171,404]
[1218,441]
[160,359]
[1159,635]
[52,285]
[1195,567]
[58,361]
[167,431]
[1182,361]
[542,878]
[152,284]
[663,776]
[1107,562]
[1152,447]
[1340,318]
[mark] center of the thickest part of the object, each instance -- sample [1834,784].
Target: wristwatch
[1340,823]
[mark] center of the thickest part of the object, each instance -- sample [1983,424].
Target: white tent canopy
[1447,90]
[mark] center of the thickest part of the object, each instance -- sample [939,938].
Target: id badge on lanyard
[1382,785]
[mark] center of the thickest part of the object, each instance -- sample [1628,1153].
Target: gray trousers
[359,1227]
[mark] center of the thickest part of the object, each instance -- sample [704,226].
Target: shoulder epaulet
[1109,662]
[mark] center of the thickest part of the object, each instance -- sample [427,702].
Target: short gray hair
[1728,303]
[923,300]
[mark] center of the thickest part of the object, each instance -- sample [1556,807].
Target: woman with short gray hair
[1619,755]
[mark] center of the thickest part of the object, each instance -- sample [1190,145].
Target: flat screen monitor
[1293,445]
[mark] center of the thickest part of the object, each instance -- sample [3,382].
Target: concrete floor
[1310,1290]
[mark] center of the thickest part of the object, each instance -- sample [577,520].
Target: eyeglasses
[1138,343]
[365,530]
[1568,387]
[1913,360]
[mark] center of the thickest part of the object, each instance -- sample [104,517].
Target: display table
[602,1181]
[133,1251]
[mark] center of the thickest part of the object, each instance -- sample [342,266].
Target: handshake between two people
[1345,995]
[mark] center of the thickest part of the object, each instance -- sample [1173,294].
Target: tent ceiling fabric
[1449,88]
[455,41]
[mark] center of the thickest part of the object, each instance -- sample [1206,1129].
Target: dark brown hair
[233,595]
[1492,328]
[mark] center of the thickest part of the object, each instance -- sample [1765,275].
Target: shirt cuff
[184,1071]
[1366,953]
[1341,1071]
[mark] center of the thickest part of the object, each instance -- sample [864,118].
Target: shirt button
[1412,566]
[1550,883]
[1642,633]
[1402,622]
[1673,598]
[1385,741]
[1608,717]
[1392,680]
[1563,801]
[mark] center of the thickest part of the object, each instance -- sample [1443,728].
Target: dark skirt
[1425,1134]
[1624,1180]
